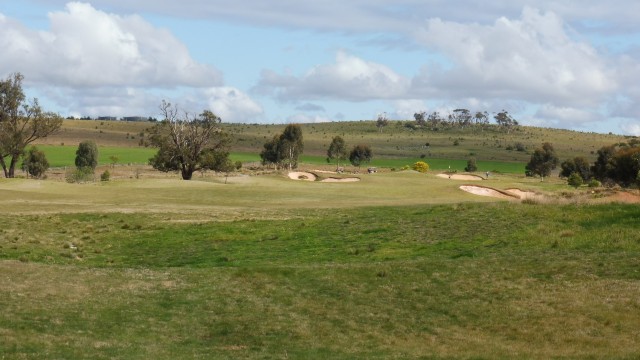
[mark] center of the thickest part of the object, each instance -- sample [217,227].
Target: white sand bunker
[526,195]
[301,175]
[460,177]
[307,176]
[333,179]
[486,191]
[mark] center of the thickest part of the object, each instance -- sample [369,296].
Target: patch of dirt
[460,177]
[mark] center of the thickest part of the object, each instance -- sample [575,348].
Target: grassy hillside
[394,142]
[398,265]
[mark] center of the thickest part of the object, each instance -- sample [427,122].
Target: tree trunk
[12,166]
[4,167]
[187,174]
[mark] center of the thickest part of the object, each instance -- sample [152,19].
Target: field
[258,266]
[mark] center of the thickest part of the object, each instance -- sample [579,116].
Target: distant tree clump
[542,161]
[188,143]
[337,151]
[505,121]
[360,154]
[420,166]
[21,123]
[618,164]
[284,149]
[578,165]
[471,165]
[87,155]
[35,163]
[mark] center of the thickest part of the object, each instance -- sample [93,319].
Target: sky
[571,64]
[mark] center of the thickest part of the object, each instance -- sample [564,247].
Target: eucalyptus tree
[21,123]
[188,143]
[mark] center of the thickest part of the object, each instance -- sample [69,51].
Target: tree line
[617,164]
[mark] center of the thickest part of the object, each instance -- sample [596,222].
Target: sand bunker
[502,194]
[307,176]
[332,179]
[486,191]
[525,195]
[460,177]
[301,175]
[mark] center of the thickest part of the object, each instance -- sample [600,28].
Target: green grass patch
[60,156]
[498,280]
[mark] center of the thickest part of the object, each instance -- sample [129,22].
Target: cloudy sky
[571,64]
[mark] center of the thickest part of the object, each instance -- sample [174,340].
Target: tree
[382,121]
[360,154]
[603,167]
[114,160]
[337,151]
[542,161]
[471,165]
[87,155]
[270,153]
[578,165]
[504,120]
[188,143]
[284,148]
[291,145]
[35,163]
[421,118]
[20,123]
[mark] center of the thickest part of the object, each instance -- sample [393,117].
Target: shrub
[471,165]
[575,180]
[421,166]
[105,176]
[35,163]
[87,155]
[79,175]
[594,183]
[238,165]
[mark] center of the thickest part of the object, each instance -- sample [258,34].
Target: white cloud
[232,105]
[632,128]
[306,119]
[567,115]
[532,58]
[349,78]
[404,109]
[86,47]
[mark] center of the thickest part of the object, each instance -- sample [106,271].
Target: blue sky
[570,64]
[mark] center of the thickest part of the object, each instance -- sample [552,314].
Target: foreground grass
[467,280]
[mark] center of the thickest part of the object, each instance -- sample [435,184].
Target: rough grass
[399,265]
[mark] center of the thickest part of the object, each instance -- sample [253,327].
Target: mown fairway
[398,265]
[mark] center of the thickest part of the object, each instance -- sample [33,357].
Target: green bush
[87,155]
[105,176]
[594,183]
[575,180]
[35,163]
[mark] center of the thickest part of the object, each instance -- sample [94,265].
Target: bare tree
[382,121]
